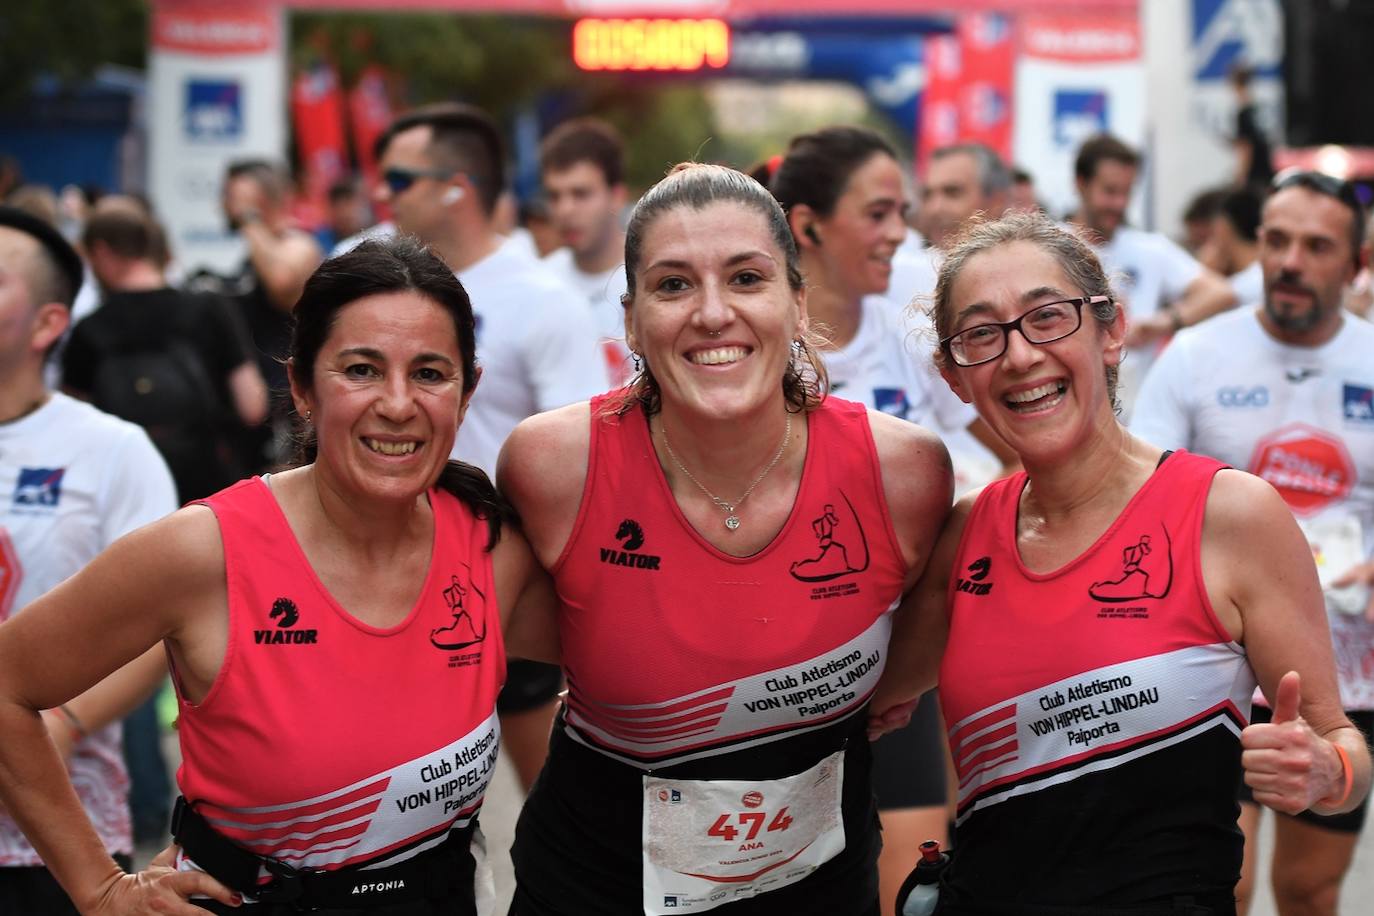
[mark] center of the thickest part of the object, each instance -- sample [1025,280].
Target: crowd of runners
[689,509]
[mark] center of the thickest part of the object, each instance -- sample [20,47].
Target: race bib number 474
[708,842]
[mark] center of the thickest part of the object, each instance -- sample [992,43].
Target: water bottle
[921,889]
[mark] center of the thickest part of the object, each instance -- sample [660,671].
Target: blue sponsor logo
[674,796]
[1359,403]
[670,901]
[1078,115]
[39,487]
[214,111]
[892,401]
[1241,396]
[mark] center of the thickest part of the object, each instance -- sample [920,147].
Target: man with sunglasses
[1162,287]
[1286,391]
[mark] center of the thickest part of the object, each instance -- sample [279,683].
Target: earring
[635,356]
[307,414]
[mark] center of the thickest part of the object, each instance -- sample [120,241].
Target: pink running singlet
[1094,711]
[325,742]
[700,683]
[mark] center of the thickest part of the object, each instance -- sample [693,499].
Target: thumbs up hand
[1289,767]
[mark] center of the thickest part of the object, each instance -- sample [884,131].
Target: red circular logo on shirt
[1309,467]
[752,799]
[663,795]
[11,573]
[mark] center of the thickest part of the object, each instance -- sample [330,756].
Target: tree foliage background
[503,64]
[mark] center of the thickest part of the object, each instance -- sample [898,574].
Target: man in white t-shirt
[1162,287]
[72,480]
[442,169]
[1286,391]
[582,163]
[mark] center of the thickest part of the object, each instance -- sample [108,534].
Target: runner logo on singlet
[287,615]
[977,571]
[631,538]
[462,630]
[842,550]
[1147,571]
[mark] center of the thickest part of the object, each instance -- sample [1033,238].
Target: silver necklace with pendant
[731,508]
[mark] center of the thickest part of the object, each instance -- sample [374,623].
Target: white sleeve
[563,354]
[138,488]
[1163,412]
[946,412]
[1178,269]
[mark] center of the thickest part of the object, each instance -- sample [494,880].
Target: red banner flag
[317,109]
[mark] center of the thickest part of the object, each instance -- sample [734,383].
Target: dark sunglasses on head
[398,179]
[1319,182]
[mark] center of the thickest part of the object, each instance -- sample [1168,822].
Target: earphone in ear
[452,196]
[812,235]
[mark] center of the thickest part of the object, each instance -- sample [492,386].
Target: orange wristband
[1349,779]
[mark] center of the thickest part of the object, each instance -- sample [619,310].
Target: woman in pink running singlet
[727,544]
[337,635]
[1104,616]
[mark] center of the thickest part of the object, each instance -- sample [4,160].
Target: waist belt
[444,871]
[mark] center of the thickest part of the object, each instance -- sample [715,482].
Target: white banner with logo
[1076,77]
[216,93]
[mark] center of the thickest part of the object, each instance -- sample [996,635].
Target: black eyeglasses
[398,179]
[1043,324]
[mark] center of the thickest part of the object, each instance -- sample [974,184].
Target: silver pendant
[731,522]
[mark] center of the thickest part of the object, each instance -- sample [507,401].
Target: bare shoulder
[1244,507]
[178,555]
[914,461]
[542,470]
[546,452]
[918,484]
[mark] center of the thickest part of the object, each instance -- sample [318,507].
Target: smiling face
[1045,399]
[713,313]
[386,396]
[860,236]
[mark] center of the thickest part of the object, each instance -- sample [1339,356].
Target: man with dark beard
[1286,391]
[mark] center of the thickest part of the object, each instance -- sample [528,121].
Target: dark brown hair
[384,266]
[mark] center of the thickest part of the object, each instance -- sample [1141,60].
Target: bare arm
[920,628]
[542,471]
[110,700]
[143,589]
[1291,763]
[529,605]
[248,391]
[284,262]
[1209,294]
